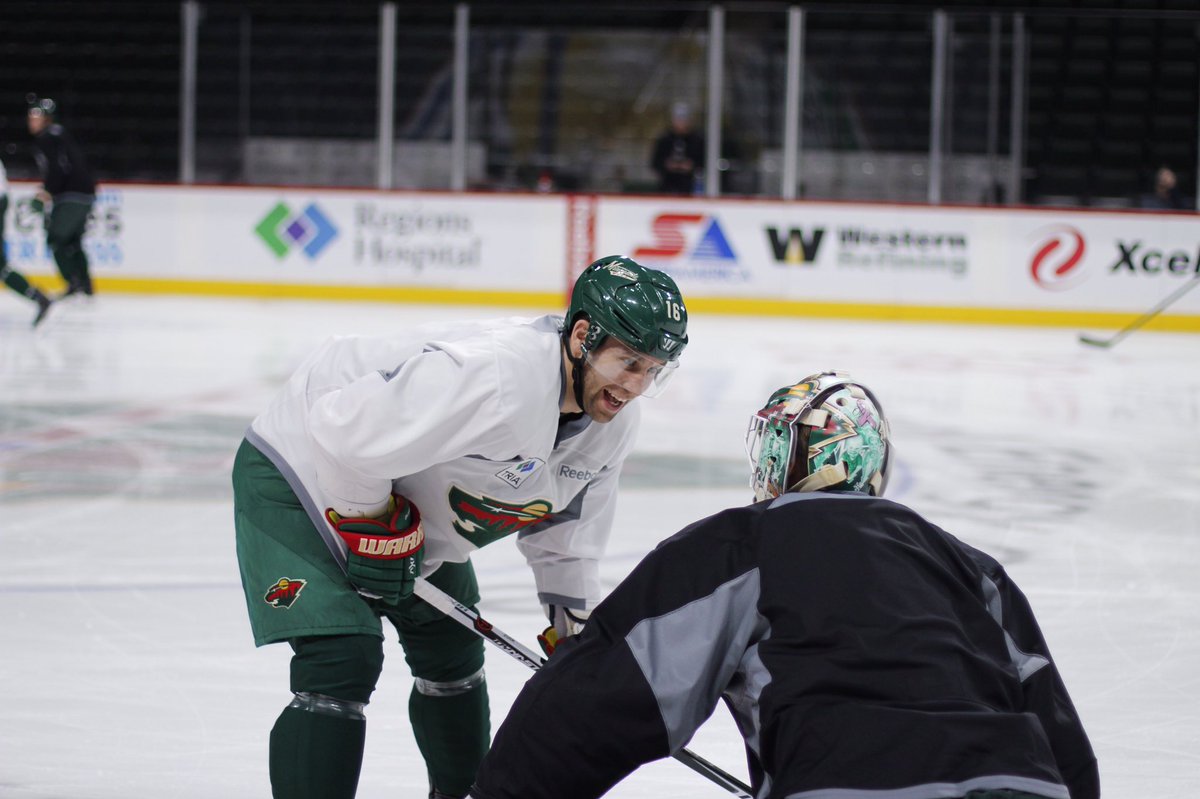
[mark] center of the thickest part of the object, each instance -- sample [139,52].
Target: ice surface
[127,665]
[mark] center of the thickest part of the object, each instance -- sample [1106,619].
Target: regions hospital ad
[746,256]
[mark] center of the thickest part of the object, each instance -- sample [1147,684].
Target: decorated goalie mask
[826,431]
[637,306]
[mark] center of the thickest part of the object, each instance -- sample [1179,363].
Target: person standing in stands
[678,154]
[1166,195]
[68,186]
[13,279]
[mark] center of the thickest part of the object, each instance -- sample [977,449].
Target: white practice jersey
[464,421]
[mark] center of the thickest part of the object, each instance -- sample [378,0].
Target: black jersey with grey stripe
[864,653]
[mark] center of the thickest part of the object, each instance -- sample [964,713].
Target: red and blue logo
[696,237]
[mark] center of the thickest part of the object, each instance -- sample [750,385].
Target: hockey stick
[1106,343]
[484,629]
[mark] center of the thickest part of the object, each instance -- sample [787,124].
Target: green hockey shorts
[293,586]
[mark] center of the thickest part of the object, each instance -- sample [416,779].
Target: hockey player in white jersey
[385,459]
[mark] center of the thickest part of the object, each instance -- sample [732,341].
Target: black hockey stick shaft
[513,648]
[1144,318]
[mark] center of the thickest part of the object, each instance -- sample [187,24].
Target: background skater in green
[383,459]
[68,185]
[13,279]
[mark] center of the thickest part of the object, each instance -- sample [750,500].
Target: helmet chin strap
[576,370]
[577,367]
[577,379]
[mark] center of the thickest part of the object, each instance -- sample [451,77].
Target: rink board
[851,260]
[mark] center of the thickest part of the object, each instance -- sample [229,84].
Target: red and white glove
[384,554]
[564,622]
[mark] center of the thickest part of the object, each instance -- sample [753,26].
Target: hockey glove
[383,555]
[564,622]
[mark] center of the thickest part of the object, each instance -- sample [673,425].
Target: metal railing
[889,102]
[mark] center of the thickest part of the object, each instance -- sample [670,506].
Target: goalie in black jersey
[864,652]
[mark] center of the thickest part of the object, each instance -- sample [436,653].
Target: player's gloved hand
[384,554]
[564,622]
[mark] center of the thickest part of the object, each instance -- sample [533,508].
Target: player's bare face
[615,375]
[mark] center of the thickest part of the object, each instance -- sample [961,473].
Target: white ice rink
[127,669]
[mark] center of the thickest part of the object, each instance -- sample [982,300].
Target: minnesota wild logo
[483,520]
[284,592]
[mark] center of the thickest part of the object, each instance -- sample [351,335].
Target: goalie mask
[639,307]
[827,431]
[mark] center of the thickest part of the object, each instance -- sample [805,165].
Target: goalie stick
[485,630]
[1106,343]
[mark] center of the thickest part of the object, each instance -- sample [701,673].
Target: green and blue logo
[282,231]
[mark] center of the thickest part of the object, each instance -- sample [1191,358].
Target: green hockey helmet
[827,431]
[639,307]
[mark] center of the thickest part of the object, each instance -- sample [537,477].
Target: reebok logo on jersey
[515,475]
[572,473]
[483,520]
[285,592]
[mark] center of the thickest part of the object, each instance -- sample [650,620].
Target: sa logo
[285,592]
